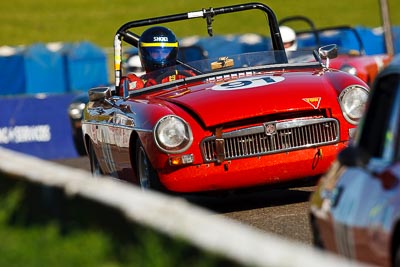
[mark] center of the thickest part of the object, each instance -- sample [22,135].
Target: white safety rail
[172,216]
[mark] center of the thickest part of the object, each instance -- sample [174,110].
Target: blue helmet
[158,48]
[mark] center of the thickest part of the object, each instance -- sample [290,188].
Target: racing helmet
[133,64]
[158,48]
[288,38]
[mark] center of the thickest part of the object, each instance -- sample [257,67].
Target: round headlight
[172,134]
[353,100]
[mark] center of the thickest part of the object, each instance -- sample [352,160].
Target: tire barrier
[167,215]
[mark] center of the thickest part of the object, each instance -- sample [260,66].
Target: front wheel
[145,173]
[396,262]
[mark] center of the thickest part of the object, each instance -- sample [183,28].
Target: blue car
[355,210]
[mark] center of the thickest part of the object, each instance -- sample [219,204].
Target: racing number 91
[248,83]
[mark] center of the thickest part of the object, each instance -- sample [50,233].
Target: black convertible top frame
[317,31]
[124,34]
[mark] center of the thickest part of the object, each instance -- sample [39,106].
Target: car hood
[224,101]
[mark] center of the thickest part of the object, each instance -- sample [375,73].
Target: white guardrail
[172,216]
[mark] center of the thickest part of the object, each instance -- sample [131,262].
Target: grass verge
[40,226]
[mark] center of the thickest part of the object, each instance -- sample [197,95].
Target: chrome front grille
[272,137]
[344,240]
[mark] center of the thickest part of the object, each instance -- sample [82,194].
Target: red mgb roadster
[243,120]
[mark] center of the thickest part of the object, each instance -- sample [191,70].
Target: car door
[100,121]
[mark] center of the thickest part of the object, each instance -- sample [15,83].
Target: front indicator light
[181,160]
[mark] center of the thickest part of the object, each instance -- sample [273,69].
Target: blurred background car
[75,114]
[355,210]
[133,64]
[361,52]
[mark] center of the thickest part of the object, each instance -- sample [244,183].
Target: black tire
[146,174]
[78,142]
[316,238]
[396,261]
[94,163]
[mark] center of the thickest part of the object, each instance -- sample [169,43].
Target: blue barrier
[44,70]
[396,39]
[12,78]
[52,68]
[37,125]
[86,67]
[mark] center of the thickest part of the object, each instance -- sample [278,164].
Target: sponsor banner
[37,125]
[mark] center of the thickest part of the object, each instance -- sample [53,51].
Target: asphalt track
[280,211]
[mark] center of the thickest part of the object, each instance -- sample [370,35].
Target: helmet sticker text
[160,39]
[247,83]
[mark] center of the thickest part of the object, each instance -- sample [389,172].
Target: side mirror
[328,52]
[353,156]
[99,93]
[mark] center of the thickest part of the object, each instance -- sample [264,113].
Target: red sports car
[353,55]
[243,120]
[357,61]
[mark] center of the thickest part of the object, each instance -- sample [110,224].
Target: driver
[158,49]
[288,38]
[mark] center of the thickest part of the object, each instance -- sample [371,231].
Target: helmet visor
[158,54]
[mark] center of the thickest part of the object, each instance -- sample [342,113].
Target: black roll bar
[123,32]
